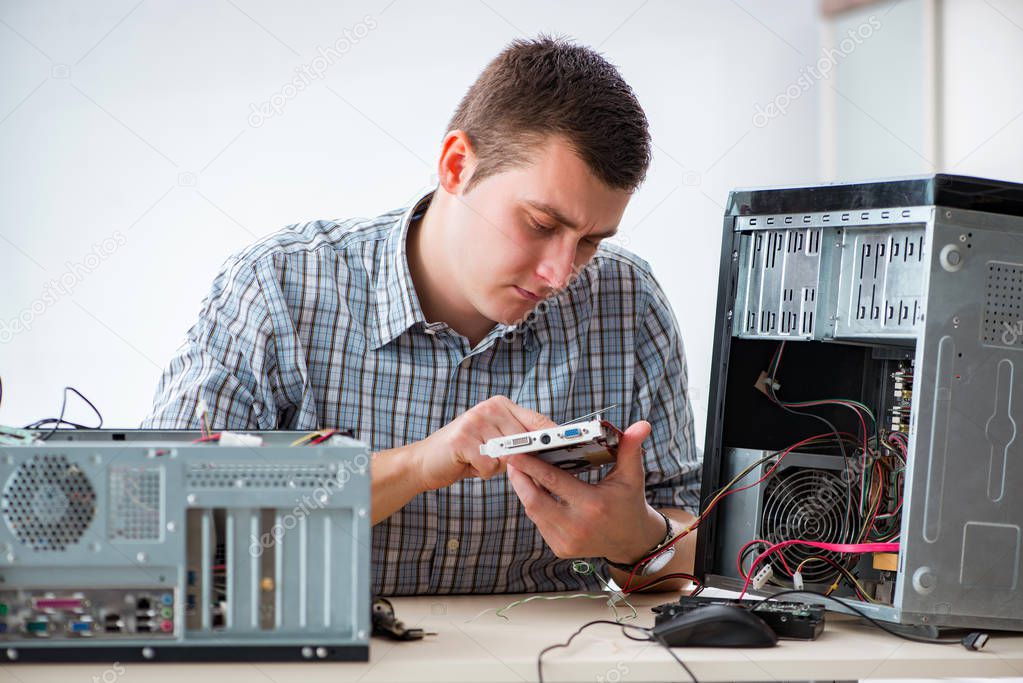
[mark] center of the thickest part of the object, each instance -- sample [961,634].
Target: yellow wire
[844,572]
[579,567]
[309,437]
[523,601]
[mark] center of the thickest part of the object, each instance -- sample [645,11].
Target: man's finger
[529,419]
[485,465]
[534,498]
[554,479]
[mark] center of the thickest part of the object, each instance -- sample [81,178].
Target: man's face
[520,235]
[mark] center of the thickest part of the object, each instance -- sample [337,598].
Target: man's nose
[558,263]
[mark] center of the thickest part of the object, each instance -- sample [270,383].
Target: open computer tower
[890,312]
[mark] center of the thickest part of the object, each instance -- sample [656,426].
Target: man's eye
[540,227]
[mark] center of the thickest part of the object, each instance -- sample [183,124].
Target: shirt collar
[397,304]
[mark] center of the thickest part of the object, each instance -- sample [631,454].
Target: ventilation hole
[49,503]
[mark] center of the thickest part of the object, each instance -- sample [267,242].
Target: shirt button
[466,363]
[452,544]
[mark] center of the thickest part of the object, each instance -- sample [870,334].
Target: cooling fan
[49,503]
[808,504]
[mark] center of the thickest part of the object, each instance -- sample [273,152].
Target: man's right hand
[452,453]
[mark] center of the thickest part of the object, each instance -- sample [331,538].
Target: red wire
[321,439]
[703,515]
[742,551]
[856,409]
[676,575]
[844,548]
[880,495]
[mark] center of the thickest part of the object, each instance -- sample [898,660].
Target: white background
[133,119]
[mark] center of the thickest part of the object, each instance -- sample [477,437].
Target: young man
[493,305]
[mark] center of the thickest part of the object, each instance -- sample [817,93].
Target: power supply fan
[49,503]
[809,505]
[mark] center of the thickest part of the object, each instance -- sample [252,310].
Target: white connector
[762,577]
[237,439]
[797,581]
[615,597]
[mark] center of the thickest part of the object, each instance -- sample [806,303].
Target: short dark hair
[547,87]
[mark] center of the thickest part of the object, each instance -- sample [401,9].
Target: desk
[470,646]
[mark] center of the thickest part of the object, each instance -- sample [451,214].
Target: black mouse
[716,626]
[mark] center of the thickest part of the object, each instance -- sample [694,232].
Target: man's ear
[457,162]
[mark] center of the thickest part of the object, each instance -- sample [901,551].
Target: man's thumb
[630,452]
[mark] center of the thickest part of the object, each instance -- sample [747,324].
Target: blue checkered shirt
[319,325]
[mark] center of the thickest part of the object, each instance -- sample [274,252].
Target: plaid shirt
[319,325]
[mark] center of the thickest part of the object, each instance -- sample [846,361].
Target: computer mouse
[716,626]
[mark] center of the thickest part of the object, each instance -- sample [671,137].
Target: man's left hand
[609,519]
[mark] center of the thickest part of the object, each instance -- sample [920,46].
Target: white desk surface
[470,646]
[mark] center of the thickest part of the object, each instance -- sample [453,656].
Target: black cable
[641,640]
[880,624]
[649,638]
[54,420]
[58,421]
[845,457]
[675,656]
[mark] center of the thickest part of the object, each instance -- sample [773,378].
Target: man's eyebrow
[560,218]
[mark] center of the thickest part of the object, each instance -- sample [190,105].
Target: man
[492,306]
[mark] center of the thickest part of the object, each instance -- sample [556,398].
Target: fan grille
[809,505]
[49,503]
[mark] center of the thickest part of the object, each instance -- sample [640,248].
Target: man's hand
[609,519]
[452,453]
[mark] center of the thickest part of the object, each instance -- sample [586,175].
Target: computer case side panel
[727,280]
[960,555]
